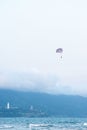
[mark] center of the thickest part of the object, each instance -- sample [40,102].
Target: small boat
[38,125]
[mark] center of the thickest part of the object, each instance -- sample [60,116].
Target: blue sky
[30,33]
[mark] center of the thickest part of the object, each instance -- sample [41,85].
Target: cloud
[37,81]
[33,80]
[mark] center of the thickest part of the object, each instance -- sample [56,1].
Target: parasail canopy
[59,50]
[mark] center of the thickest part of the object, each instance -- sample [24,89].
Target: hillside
[50,105]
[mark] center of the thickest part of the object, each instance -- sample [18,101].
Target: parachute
[59,51]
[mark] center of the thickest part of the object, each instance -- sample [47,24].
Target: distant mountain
[50,105]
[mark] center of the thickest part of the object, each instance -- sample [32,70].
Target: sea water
[43,123]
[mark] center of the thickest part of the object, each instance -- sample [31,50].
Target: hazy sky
[30,33]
